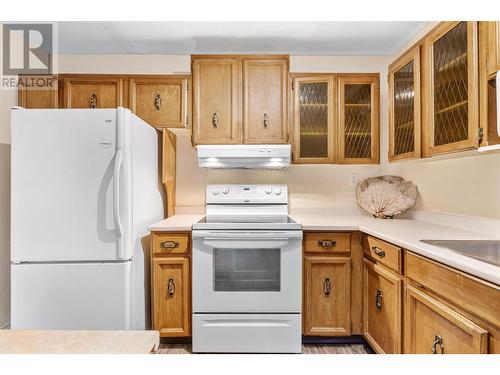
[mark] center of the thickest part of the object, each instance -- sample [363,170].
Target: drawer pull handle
[169,244]
[378,251]
[378,299]
[171,287]
[157,102]
[438,340]
[265,120]
[327,286]
[327,243]
[93,101]
[215,120]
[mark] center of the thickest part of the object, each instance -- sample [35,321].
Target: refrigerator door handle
[116,191]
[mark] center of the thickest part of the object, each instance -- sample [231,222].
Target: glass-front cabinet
[313,118]
[404,106]
[450,94]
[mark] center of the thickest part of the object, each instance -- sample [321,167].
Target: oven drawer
[327,243]
[247,333]
[170,244]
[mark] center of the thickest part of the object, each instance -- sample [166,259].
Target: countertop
[78,342]
[406,233]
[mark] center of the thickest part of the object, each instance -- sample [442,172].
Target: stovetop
[259,222]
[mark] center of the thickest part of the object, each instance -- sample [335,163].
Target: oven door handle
[247,238]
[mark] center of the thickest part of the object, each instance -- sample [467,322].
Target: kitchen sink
[484,250]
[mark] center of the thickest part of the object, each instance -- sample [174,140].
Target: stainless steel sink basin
[485,250]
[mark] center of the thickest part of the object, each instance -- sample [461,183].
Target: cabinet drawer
[327,243]
[165,243]
[383,252]
[382,308]
[433,328]
[466,292]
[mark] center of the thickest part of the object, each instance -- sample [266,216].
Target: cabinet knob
[157,102]
[169,244]
[438,341]
[327,243]
[327,286]
[378,299]
[378,251]
[171,287]
[93,101]
[265,120]
[215,120]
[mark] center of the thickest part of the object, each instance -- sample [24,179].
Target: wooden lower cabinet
[382,308]
[327,296]
[171,294]
[433,328]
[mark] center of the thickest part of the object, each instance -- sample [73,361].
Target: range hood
[244,156]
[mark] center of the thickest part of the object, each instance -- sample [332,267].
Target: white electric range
[247,267]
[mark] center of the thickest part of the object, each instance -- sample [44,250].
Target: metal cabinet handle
[169,244]
[327,286]
[171,287]
[438,340]
[378,251]
[157,102]
[215,120]
[327,243]
[265,120]
[378,299]
[93,101]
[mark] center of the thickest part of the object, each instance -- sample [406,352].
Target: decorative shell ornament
[386,196]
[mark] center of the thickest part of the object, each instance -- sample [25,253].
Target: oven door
[247,271]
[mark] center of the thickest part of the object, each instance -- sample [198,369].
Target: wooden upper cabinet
[93,92]
[404,106]
[327,296]
[265,101]
[38,92]
[359,118]
[492,46]
[313,119]
[160,101]
[450,88]
[216,101]
[433,328]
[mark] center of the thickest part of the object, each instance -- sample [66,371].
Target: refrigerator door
[71,296]
[64,187]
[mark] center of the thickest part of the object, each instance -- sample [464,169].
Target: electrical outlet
[353,180]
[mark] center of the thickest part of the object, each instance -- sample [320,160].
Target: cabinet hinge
[480,135]
[187,120]
[187,86]
[292,85]
[351,326]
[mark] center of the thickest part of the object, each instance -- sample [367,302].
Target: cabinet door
[216,101]
[493,47]
[161,102]
[450,88]
[433,328]
[327,296]
[313,118]
[404,107]
[170,289]
[93,92]
[264,101]
[359,119]
[382,308]
[38,92]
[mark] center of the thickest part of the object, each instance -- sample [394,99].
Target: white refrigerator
[84,187]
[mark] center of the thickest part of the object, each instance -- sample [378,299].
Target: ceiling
[296,38]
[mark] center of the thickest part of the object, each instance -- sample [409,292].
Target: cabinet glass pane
[247,270]
[450,86]
[357,118]
[404,99]
[313,109]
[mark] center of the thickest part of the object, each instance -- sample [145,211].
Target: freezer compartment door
[247,333]
[87,296]
[65,191]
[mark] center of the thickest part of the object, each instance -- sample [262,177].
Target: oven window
[247,270]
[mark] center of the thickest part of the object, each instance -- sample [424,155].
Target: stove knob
[225,190]
[268,190]
[277,191]
[215,192]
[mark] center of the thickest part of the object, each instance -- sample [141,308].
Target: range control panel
[247,194]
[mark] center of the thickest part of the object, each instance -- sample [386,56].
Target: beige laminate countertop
[78,342]
[405,233]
